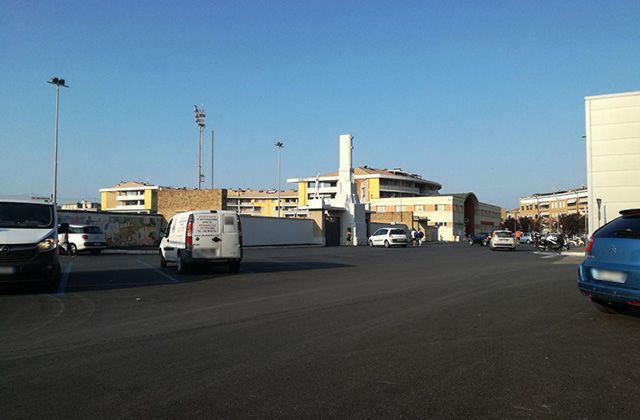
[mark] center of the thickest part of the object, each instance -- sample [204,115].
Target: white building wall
[613,155]
[260,231]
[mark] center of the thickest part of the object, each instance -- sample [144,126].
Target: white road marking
[65,279]
[162,273]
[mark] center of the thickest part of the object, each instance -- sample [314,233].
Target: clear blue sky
[478,95]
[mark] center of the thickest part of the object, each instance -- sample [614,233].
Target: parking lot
[433,331]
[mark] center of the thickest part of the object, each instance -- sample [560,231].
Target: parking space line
[162,273]
[64,280]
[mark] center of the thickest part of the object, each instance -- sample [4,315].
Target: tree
[572,224]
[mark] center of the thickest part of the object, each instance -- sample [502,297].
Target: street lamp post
[279,145]
[199,115]
[57,82]
[212,159]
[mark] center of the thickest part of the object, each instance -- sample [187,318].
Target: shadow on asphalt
[92,280]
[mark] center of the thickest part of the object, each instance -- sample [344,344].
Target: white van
[28,243]
[202,237]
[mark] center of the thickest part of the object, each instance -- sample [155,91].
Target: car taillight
[189,235]
[85,236]
[590,245]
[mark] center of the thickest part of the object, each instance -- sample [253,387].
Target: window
[399,208]
[381,208]
[419,207]
[441,207]
[622,227]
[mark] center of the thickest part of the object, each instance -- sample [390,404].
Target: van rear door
[207,241]
[231,236]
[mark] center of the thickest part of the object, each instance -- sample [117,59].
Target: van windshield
[26,215]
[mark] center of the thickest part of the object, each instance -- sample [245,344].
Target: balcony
[399,188]
[134,197]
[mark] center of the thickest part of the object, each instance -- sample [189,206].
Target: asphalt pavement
[440,331]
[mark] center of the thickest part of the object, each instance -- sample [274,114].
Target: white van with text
[202,237]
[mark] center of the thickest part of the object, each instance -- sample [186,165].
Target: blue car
[610,273]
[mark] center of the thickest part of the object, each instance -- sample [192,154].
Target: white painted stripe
[162,273]
[65,279]
[551,256]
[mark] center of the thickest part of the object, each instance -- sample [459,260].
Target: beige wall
[172,201]
[613,155]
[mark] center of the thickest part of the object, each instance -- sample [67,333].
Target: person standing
[420,237]
[413,236]
[349,237]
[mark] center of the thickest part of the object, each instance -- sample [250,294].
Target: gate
[332,231]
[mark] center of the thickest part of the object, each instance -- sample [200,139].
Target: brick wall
[405,217]
[174,200]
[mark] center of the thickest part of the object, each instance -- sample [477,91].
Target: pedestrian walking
[349,237]
[413,236]
[420,237]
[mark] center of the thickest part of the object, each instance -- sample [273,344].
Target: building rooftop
[249,193]
[573,190]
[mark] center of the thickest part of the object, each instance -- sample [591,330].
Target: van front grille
[15,254]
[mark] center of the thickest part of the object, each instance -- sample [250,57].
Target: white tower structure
[346,196]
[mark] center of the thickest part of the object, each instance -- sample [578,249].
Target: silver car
[388,237]
[503,239]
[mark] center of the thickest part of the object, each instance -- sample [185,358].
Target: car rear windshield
[503,234]
[397,232]
[91,229]
[26,215]
[622,227]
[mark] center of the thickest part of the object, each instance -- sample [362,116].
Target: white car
[503,239]
[84,238]
[526,238]
[388,237]
[202,237]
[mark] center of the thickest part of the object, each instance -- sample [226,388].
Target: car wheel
[95,251]
[163,262]
[386,244]
[370,243]
[182,267]
[609,307]
[234,267]
[470,242]
[492,248]
[73,249]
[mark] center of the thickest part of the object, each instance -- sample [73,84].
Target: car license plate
[7,270]
[606,275]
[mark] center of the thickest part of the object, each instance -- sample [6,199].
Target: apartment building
[370,183]
[553,204]
[84,205]
[613,155]
[264,202]
[453,215]
[130,197]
